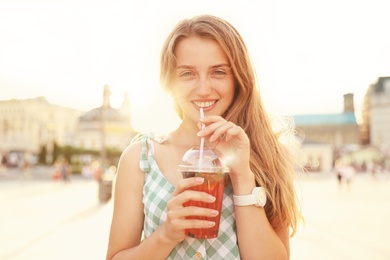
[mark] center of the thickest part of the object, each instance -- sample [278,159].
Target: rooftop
[325,119]
[95,115]
[381,85]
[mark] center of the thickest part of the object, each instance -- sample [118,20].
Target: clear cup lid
[206,160]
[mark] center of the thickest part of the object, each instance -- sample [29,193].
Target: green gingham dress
[156,193]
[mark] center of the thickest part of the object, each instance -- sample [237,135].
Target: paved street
[343,222]
[44,219]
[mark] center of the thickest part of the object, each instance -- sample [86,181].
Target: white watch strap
[244,200]
[257,198]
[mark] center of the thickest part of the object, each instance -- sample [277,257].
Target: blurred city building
[105,129]
[29,124]
[330,137]
[376,114]
[375,128]
[325,137]
[105,126]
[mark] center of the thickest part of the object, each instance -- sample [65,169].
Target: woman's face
[203,78]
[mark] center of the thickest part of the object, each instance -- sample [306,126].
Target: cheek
[229,92]
[179,96]
[181,91]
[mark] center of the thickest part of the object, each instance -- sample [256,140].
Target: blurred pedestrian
[62,170]
[348,174]
[344,172]
[97,170]
[338,171]
[25,169]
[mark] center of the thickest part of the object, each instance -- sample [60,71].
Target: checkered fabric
[157,191]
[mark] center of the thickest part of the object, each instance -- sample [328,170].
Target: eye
[185,74]
[219,72]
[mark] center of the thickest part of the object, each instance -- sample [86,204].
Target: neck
[185,135]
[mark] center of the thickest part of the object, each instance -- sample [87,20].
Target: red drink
[214,184]
[206,164]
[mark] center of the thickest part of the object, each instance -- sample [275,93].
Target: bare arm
[128,217]
[257,239]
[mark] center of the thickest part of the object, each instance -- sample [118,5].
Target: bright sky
[307,53]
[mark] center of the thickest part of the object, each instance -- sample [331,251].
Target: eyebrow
[211,67]
[184,67]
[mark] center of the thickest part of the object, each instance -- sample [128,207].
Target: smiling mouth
[205,104]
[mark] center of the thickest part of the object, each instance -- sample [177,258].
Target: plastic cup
[214,172]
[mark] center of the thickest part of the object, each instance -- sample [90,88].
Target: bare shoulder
[129,172]
[127,220]
[132,151]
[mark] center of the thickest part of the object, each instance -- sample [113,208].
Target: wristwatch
[257,198]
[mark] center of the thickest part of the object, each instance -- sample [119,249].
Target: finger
[211,119]
[186,183]
[193,195]
[197,223]
[220,130]
[192,217]
[233,132]
[211,123]
[186,223]
[191,211]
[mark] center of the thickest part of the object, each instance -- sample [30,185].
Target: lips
[205,104]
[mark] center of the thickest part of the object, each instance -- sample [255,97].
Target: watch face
[261,196]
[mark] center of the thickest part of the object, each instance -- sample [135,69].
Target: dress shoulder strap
[146,140]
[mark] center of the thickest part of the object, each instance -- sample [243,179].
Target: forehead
[197,51]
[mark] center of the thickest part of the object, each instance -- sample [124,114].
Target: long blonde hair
[270,161]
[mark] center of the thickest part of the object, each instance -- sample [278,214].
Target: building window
[386,85]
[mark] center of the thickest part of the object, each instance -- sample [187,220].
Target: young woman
[205,64]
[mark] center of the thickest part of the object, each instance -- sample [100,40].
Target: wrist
[167,238]
[243,183]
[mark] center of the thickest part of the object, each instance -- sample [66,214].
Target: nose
[204,86]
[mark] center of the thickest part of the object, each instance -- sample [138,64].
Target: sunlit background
[307,55]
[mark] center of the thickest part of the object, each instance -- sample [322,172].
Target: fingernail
[212,224]
[199,179]
[199,133]
[211,198]
[211,138]
[214,212]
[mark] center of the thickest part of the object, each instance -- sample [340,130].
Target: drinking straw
[201,140]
